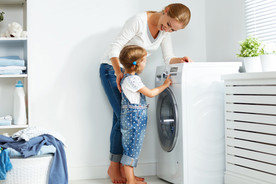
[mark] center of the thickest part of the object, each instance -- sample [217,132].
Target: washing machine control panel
[165,74]
[174,70]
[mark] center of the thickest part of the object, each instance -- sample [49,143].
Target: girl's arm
[155,91]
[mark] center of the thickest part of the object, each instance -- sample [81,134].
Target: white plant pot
[268,62]
[252,64]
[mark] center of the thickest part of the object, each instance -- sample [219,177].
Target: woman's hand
[118,81]
[185,59]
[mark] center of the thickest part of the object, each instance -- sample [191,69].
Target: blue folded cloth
[10,72]
[11,61]
[5,122]
[9,57]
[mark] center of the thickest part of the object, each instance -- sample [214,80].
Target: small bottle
[19,105]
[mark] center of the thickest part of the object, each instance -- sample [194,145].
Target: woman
[149,30]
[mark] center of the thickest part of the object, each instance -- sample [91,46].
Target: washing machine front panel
[169,163]
[167,120]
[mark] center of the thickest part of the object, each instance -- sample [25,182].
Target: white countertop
[249,76]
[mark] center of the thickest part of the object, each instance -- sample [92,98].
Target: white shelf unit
[250,128]
[15,11]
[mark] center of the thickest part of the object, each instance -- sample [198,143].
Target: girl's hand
[118,80]
[168,81]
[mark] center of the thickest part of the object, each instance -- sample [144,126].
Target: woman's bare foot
[123,174]
[137,182]
[115,174]
[141,182]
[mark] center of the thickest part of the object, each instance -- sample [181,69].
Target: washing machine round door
[167,120]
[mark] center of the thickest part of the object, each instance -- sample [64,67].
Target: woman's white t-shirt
[130,87]
[136,32]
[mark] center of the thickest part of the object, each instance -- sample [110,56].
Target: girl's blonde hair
[130,54]
[180,12]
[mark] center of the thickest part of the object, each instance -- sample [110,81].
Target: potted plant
[250,52]
[268,57]
[2,16]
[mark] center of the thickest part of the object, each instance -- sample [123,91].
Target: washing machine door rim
[167,120]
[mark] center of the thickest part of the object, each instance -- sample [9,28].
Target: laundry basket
[32,170]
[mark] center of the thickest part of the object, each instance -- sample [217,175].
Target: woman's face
[168,24]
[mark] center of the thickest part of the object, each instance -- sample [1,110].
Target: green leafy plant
[250,47]
[268,48]
[2,16]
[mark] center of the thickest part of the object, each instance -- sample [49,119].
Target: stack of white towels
[11,65]
[5,120]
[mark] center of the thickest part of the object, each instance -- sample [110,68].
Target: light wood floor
[149,180]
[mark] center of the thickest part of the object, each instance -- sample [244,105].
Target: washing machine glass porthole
[167,120]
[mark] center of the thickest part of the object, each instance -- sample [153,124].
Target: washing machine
[190,122]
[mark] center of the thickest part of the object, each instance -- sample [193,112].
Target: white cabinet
[250,128]
[15,11]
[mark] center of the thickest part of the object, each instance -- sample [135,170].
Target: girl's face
[142,64]
[168,24]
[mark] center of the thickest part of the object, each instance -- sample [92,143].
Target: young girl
[134,107]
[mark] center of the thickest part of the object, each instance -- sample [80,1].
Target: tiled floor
[149,180]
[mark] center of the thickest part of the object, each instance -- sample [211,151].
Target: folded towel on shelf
[8,70]
[13,68]
[5,120]
[11,61]
[9,57]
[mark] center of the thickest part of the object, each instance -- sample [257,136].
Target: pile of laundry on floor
[34,141]
[10,65]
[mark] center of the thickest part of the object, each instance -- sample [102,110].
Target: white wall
[67,39]
[225,27]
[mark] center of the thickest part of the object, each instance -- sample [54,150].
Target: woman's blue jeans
[109,84]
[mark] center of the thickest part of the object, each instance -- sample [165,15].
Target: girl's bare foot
[123,174]
[115,174]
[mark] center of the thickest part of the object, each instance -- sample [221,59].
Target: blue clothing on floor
[5,164]
[58,172]
[133,127]
[109,84]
